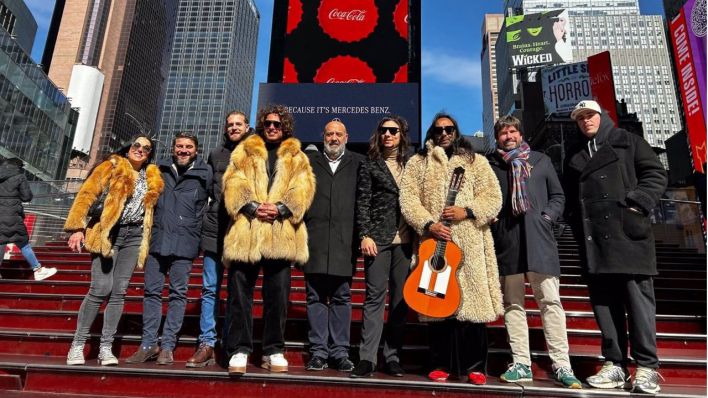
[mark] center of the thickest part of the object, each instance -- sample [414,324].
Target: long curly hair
[286,120]
[376,148]
[460,145]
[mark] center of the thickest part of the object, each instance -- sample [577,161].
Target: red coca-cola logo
[348,20]
[294,15]
[401,75]
[289,72]
[400,18]
[344,69]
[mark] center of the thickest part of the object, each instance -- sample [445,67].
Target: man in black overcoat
[332,241]
[526,249]
[614,180]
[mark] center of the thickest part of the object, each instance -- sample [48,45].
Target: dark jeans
[388,269]
[157,267]
[275,292]
[329,312]
[110,278]
[613,294]
[458,347]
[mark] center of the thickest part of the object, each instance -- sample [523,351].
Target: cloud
[451,69]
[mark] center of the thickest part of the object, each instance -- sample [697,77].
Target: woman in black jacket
[14,190]
[385,244]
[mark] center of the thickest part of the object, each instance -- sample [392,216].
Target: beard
[333,151]
[184,162]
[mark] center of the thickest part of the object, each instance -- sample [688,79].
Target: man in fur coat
[459,345]
[268,187]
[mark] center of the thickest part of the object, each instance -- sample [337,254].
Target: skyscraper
[641,66]
[128,42]
[18,21]
[211,69]
[490,108]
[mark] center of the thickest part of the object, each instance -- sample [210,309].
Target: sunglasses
[438,130]
[276,124]
[146,148]
[390,130]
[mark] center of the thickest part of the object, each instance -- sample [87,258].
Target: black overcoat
[178,217]
[623,173]
[332,238]
[526,243]
[14,190]
[216,219]
[378,212]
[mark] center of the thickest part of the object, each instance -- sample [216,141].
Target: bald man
[332,243]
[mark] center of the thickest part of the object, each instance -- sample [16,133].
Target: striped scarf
[520,171]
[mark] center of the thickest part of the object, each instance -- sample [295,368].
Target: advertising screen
[539,39]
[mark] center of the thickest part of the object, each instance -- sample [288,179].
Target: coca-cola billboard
[345,41]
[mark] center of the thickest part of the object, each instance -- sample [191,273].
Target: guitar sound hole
[437,262]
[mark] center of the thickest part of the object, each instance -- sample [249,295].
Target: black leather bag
[96,209]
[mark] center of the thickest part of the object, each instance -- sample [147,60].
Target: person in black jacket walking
[386,243]
[333,242]
[213,230]
[526,249]
[174,245]
[14,190]
[614,180]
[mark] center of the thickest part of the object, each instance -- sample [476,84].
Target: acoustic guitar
[432,288]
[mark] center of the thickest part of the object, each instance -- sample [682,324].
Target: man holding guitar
[458,343]
[526,248]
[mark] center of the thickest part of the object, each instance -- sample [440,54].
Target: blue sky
[451,44]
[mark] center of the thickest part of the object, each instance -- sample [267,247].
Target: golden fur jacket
[246,180]
[117,174]
[424,187]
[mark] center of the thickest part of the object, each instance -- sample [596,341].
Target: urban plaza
[353,198]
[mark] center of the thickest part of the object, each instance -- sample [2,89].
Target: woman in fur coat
[385,244]
[118,239]
[458,344]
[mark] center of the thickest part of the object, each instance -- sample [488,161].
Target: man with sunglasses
[176,233]
[527,249]
[268,187]
[332,239]
[236,128]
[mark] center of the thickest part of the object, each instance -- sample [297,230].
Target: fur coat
[424,187]
[246,180]
[116,173]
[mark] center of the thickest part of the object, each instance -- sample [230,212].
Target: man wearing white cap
[614,179]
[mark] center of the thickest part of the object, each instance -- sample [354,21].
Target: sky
[450,45]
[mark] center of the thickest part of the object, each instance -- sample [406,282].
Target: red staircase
[37,321]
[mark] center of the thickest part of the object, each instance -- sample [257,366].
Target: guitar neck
[441,245]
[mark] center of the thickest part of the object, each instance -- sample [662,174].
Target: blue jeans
[212,275]
[156,268]
[27,253]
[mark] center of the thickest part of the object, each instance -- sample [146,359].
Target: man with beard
[526,249]
[332,240]
[613,180]
[174,245]
[213,231]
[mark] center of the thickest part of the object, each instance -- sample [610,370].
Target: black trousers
[613,294]
[458,347]
[275,291]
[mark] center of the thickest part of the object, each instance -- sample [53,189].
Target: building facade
[490,107]
[18,20]
[641,65]
[36,119]
[129,42]
[211,70]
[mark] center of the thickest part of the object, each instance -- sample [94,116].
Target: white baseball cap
[585,105]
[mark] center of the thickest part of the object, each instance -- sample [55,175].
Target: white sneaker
[106,357]
[238,363]
[76,355]
[610,376]
[43,273]
[275,363]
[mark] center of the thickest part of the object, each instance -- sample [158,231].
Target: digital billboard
[539,39]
